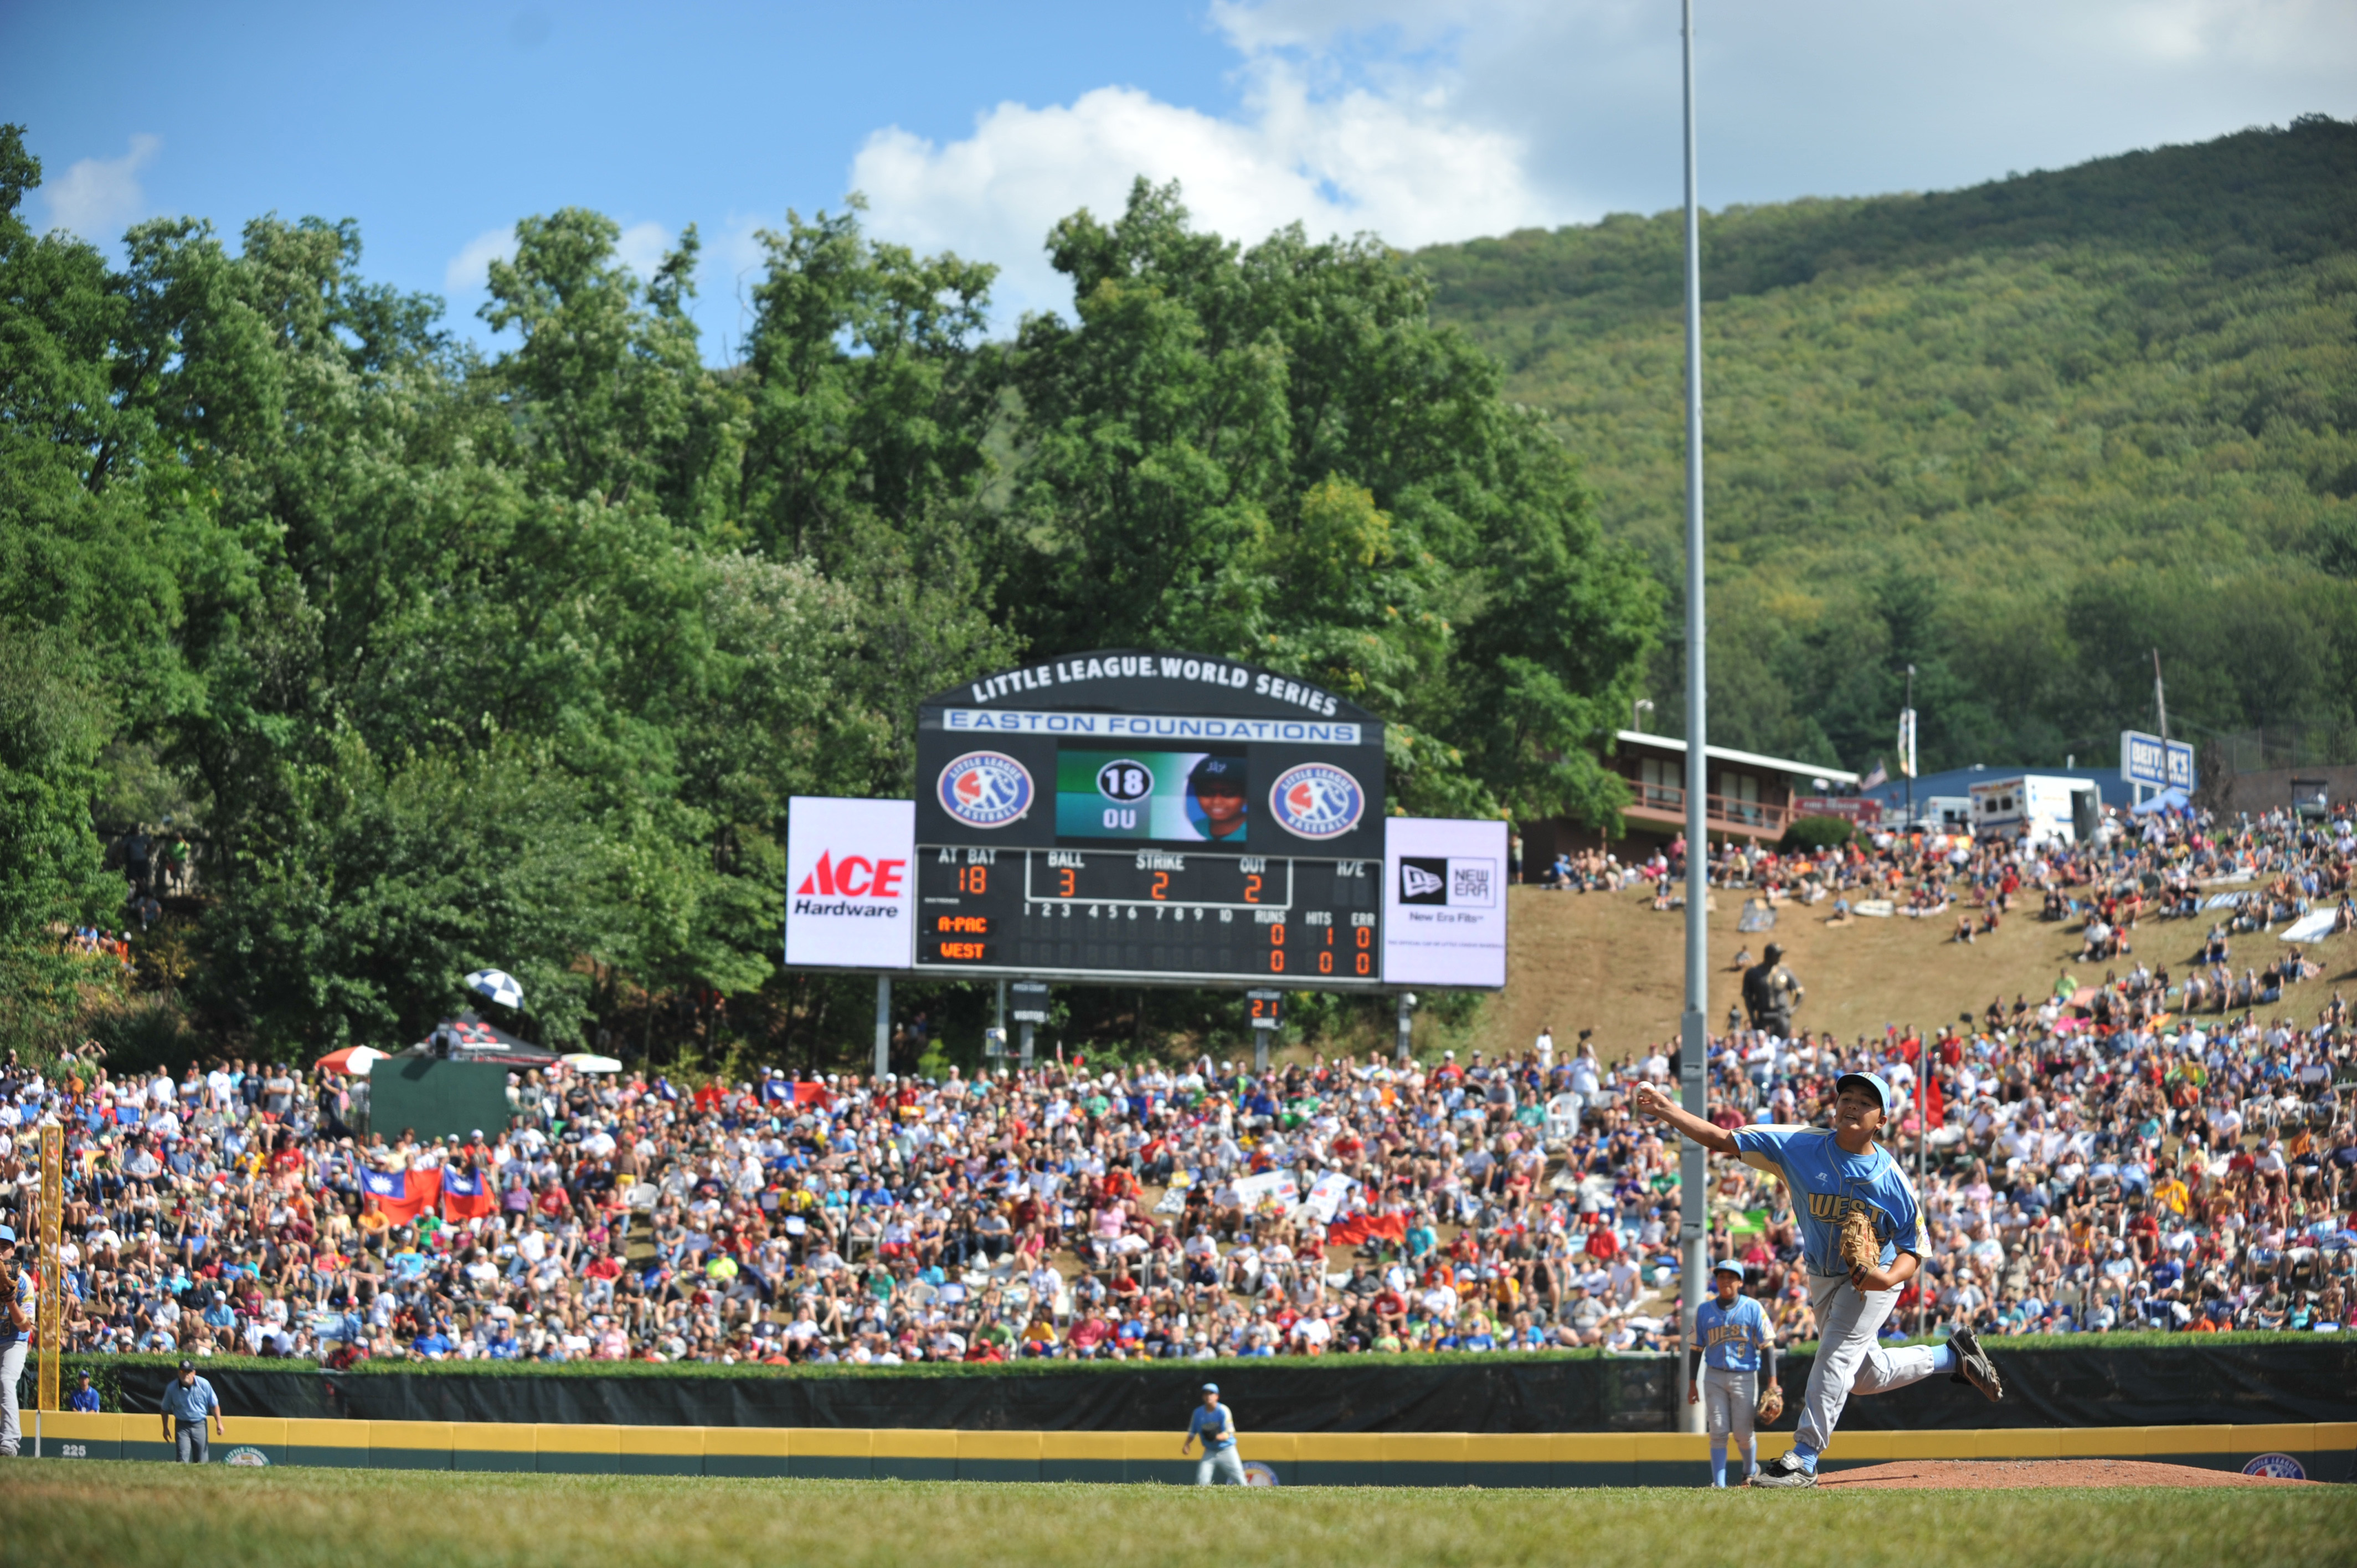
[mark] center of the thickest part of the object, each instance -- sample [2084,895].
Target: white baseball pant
[1223,1468]
[1850,1360]
[1726,1401]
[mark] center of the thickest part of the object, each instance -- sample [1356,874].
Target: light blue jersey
[1826,1180]
[1731,1338]
[1215,1428]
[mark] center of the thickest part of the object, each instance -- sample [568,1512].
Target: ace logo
[847,910]
[853,876]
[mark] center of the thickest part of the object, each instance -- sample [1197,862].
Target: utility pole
[2159,697]
[1694,1033]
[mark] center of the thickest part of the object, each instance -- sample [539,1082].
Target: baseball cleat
[1973,1365]
[1784,1471]
[1792,1479]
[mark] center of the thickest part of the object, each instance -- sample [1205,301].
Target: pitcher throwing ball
[1862,1238]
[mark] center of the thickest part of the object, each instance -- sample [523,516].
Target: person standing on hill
[1214,1423]
[1771,993]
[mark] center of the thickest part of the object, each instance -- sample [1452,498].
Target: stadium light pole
[1693,1035]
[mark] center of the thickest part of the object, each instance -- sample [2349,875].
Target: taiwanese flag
[466,1195]
[1355,1230]
[402,1196]
[811,1094]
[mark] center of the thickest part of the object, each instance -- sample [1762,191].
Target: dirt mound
[1930,1474]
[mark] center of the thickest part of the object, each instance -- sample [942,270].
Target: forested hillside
[2018,435]
[436,659]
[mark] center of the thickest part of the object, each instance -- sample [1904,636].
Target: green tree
[1272,453]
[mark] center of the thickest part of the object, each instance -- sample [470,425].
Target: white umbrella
[497,985]
[584,1061]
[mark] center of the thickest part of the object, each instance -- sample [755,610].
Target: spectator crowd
[2130,1151]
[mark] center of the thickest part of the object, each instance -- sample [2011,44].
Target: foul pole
[1693,1031]
[49,1306]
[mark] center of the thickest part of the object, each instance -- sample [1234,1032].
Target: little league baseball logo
[2276,1467]
[985,790]
[1317,801]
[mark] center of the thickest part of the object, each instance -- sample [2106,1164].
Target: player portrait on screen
[1215,799]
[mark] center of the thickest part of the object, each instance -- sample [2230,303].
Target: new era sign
[851,900]
[1444,902]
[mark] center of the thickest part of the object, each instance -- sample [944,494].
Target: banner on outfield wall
[2187,1382]
[851,885]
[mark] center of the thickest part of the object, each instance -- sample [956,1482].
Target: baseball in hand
[1650,1100]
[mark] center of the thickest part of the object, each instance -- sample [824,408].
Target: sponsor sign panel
[1856,810]
[1444,902]
[851,886]
[2147,760]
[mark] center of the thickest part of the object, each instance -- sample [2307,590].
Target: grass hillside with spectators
[1605,961]
[2018,435]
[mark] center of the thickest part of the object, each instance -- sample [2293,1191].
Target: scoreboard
[1137,818]
[1169,915]
[1149,818]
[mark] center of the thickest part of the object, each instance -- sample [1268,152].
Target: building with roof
[1751,798]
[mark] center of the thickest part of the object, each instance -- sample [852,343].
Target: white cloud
[641,248]
[469,271]
[98,198]
[1338,163]
[1426,120]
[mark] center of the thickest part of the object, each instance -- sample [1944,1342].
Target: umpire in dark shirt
[187,1401]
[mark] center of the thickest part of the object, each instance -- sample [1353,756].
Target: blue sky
[973,128]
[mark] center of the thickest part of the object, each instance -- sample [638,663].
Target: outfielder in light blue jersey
[1828,1174]
[1732,1337]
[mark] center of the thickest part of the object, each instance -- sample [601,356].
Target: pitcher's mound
[1925,1475]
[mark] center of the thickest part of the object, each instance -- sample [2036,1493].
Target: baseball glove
[1859,1249]
[1771,1404]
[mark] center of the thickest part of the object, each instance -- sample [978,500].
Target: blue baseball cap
[1728,1267]
[1869,1081]
[8,1235]
[1210,1388]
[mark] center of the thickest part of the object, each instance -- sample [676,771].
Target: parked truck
[2037,808]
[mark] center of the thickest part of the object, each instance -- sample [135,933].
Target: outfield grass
[93,1515]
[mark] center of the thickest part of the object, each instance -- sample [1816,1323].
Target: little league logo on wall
[247,1458]
[1317,801]
[2276,1467]
[985,790]
[1259,1474]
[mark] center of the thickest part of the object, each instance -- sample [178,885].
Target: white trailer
[2036,809]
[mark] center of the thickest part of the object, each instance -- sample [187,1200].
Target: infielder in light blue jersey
[1827,1173]
[1736,1347]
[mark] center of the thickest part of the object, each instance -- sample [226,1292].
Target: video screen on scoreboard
[1169,797]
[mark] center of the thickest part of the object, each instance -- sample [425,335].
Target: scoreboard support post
[883,1026]
[1407,1025]
[1026,1058]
